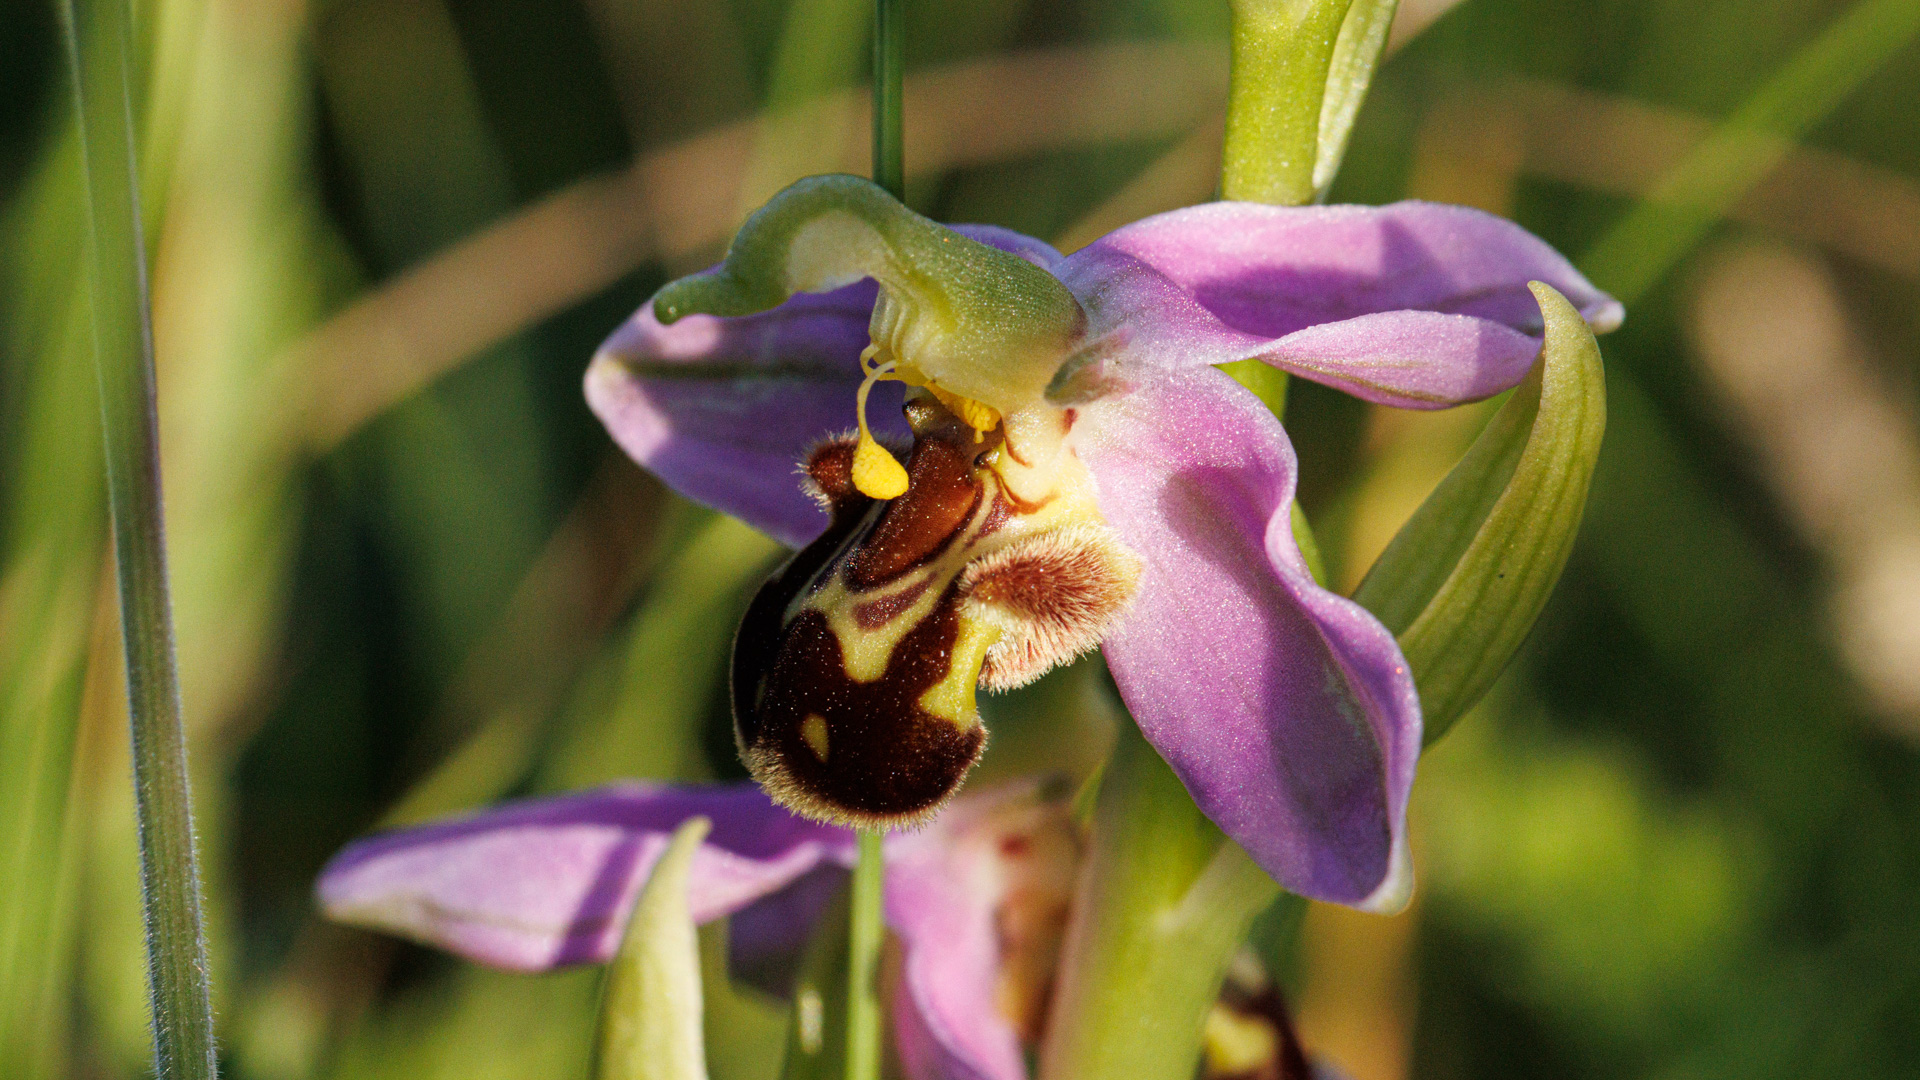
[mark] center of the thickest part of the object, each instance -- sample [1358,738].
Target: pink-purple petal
[1287,710]
[724,410]
[941,902]
[1231,281]
[549,882]
[1409,359]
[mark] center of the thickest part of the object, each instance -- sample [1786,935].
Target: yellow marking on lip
[864,653]
[952,698]
[814,730]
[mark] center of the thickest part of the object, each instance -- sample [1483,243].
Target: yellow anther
[977,415]
[876,474]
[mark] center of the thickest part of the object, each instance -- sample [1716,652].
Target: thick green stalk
[1281,52]
[1163,903]
[98,42]
[889,125]
[866,932]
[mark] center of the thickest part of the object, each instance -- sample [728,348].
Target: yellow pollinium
[876,472]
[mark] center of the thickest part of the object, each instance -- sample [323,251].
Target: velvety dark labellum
[942,495]
[757,640]
[874,614]
[825,736]
[886,757]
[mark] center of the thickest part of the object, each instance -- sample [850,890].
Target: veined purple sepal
[544,884]
[1416,304]
[1286,710]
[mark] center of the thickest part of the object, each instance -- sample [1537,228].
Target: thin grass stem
[863,961]
[889,139]
[866,926]
[99,39]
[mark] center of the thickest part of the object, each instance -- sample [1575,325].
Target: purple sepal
[723,410]
[1352,296]
[549,882]
[1287,710]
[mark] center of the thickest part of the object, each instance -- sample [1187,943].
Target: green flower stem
[866,932]
[889,125]
[1164,902]
[1281,52]
[99,39]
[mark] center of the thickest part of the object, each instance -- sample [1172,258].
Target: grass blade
[1636,253]
[99,37]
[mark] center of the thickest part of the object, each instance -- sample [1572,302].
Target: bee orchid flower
[1077,474]
[978,901]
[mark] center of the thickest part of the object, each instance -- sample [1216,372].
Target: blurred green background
[411,575]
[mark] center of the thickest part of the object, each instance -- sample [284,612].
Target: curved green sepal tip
[950,305]
[1464,579]
[650,1004]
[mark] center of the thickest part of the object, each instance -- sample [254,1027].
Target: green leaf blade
[650,1012]
[1464,580]
[1356,55]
